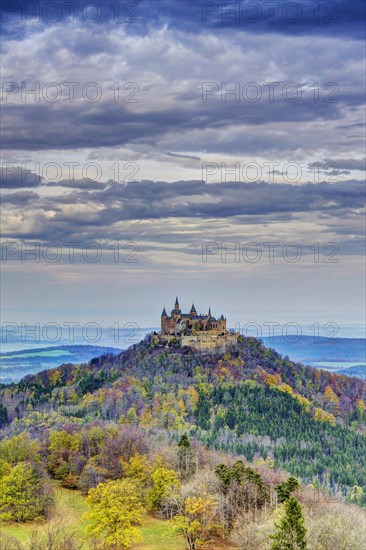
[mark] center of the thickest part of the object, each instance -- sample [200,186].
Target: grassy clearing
[70,507]
[157,535]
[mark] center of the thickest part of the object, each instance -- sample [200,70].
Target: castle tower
[176,312]
[223,323]
[193,311]
[164,322]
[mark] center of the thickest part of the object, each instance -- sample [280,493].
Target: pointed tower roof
[209,311]
[193,309]
[164,313]
[176,301]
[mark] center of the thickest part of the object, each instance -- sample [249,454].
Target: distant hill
[16,364]
[328,353]
[356,370]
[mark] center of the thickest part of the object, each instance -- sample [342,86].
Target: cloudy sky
[210,150]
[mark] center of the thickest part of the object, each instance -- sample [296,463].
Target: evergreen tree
[3,415]
[285,489]
[203,411]
[185,456]
[225,476]
[291,533]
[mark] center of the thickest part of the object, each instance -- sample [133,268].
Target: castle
[203,332]
[186,323]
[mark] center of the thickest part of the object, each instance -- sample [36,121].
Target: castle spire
[209,311]
[164,313]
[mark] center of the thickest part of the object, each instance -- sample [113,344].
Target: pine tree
[203,411]
[291,533]
[286,488]
[185,456]
[225,475]
[3,415]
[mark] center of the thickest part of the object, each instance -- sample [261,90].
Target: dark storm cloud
[19,199]
[110,124]
[351,126]
[79,184]
[177,155]
[302,17]
[340,17]
[148,199]
[339,166]
[182,214]
[349,164]
[144,200]
[13,176]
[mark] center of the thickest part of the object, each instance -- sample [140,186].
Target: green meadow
[69,508]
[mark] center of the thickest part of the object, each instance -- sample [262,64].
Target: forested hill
[248,401]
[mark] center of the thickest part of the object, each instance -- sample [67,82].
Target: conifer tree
[286,488]
[291,533]
[225,476]
[185,456]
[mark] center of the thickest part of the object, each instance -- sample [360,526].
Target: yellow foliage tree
[303,401]
[136,468]
[330,394]
[115,511]
[163,480]
[197,522]
[285,388]
[18,448]
[146,419]
[272,379]
[55,377]
[322,416]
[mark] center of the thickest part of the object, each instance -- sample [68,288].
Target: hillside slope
[248,401]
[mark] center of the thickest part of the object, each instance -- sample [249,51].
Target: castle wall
[206,341]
